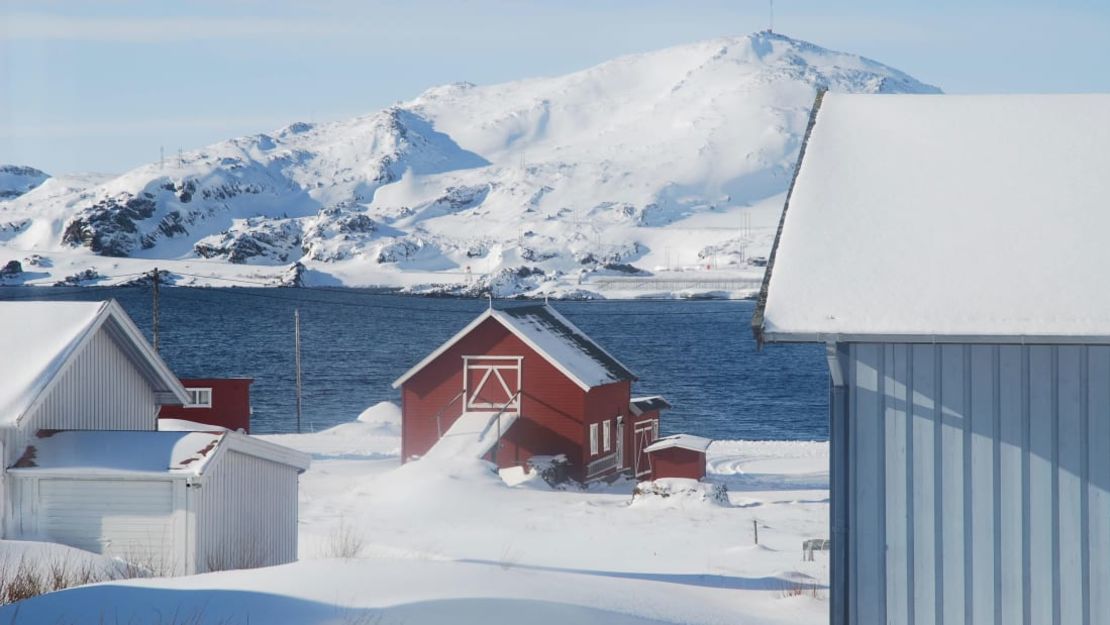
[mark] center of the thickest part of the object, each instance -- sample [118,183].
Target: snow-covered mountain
[651,163]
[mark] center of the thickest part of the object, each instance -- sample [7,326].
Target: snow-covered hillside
[15,180]
[671,163]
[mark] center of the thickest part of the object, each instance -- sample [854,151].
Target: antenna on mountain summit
[771,21]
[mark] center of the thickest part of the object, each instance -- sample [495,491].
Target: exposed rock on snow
[644,161]
[80,278]
[677,492]
[254,240]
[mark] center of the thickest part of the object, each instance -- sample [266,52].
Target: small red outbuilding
[523,382]
[223,402]
[681,455]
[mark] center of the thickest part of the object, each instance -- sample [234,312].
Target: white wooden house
[951,254]
[80,391]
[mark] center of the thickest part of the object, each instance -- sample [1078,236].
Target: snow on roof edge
[683,441]
[758,314]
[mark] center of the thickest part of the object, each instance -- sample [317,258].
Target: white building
[951,253]
[80,390]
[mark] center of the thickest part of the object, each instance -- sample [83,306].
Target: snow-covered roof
[640,405]
[684,441]
[946,218]
[552,336]
[104,452]
[121,453]
[37,339]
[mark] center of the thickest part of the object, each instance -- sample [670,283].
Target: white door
[129,519]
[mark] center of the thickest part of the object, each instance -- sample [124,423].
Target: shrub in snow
[678,491]
[555,470]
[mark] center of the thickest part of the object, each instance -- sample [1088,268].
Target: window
[606,441]
[199,398]
[593,439]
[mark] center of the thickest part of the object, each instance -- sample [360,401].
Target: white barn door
[643,435]
[491,382]
[131,519]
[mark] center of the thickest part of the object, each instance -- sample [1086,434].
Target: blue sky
[100,86]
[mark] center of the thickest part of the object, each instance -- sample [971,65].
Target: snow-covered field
[452,542]
[667,167]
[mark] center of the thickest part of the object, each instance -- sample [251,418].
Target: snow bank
[374,434]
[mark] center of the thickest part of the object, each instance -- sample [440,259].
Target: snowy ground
[451,542]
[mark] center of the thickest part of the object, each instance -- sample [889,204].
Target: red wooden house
[521,382]
[223,402]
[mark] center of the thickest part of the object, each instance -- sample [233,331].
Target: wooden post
[154,308]
[297,350]
[755,528]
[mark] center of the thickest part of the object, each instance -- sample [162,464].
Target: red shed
[520,382]
[224,402]
[681,455]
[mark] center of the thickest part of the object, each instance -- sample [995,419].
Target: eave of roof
[761,303]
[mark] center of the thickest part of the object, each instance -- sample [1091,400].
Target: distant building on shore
[524,382]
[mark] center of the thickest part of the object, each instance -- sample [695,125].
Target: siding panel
[1011,494]
[925,385]
[979,482]
[246,514]
[1098,508]
[869,540]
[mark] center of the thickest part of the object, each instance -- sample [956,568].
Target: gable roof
[640,405]
[946,218]
[43,338]
[682,441]
[553,337]
[120,453]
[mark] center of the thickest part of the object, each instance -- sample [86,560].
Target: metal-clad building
[948,253]
[80,391]
[174,502]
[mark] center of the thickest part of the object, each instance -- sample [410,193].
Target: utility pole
[297,349]
[154,307]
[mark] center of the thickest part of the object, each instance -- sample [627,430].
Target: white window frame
[194,396]
[593,439]
[606,436]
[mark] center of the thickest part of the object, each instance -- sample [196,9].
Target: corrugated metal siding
[131,519]
[246,514]
[979,481]
[101,390]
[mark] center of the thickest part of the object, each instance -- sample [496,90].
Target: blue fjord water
[699,354]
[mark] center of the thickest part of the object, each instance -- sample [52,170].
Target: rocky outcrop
[108,227]
[254,240]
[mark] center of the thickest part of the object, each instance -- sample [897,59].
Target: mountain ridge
[527,187]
